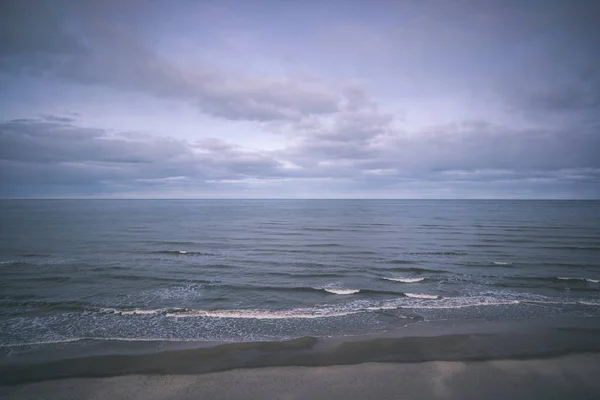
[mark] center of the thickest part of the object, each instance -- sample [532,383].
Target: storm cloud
[495,99]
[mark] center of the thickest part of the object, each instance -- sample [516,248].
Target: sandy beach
[571,376]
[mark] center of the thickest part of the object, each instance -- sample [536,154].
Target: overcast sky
[302,99]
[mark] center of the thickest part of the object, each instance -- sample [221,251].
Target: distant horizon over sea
[310,198]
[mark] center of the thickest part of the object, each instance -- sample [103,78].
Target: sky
[300,99]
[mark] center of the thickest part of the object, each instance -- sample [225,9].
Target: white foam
[481,299]
[341,291]
[134,312]
[563,278]
[382,307]
[501,263]
[464,304]
[337,288]
[12,262]
[299,313]
[405,280]
[356,306]
[182,252]
[438,302]
[590,302]
[421,296]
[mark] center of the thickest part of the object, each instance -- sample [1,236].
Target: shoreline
[449,341]
[572,376]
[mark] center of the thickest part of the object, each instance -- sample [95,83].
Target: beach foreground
[571,376]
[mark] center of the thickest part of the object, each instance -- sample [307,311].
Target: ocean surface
[248,270]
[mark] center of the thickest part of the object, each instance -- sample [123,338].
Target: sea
[271,270]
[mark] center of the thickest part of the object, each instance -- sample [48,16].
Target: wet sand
[572,376]
[548,359]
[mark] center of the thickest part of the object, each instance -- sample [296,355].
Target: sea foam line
[340,291]
[405,280]
[300,313]
[590,302]
[337,288]
[565,278]
[408,301]
[422,296]
[263,314]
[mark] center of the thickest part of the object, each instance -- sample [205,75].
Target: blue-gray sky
[317,99]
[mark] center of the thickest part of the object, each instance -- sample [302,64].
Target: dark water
[273,269]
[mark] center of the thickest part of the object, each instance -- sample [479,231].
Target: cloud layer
[494,112]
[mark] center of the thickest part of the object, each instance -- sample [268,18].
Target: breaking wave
[405,280]
[421,296]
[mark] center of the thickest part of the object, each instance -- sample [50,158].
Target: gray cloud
[388,154]
[41,141]
[580,92]
[27,27]
[560,74]
[108,53]
[50,154]
[339,137]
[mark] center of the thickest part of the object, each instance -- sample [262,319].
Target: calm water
[270,269]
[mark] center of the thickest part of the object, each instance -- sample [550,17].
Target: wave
[416,270]
[563,278]
[405,280]
[556,279]
[172,243]
[220,266]
[403,301]
[422,296]
[585,248]
[32,258]
[135,311]
[49,279]
[149,278]
[408,301]
[487,298]
[298,313]
[439,253]
[401,262]
[590,302]
[294,313]
[324,229]
[341,291]
[184,253]
[305,274]
[299,289]
[501,263]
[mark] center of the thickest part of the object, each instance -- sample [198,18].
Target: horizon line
[299,198]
